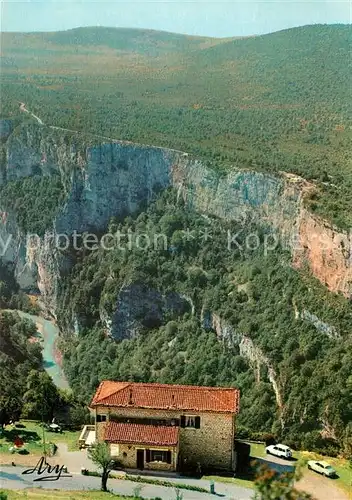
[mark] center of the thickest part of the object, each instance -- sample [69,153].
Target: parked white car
[322,468]
[279,450]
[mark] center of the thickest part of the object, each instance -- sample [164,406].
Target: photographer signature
[54,472]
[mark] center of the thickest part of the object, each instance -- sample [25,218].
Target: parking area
[320,487]
[74,460]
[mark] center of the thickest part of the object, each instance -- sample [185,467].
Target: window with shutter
[147,455]
[114,450]
[160,456]
[101,418]
[191,422]
[183,421]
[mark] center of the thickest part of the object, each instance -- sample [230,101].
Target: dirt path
[110,139]
[74,460]
[25,110]
[322,488]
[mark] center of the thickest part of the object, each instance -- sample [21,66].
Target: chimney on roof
[130,402]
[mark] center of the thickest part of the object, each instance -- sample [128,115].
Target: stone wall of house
[211,445]
[100,429]
[128,456]
[100,426]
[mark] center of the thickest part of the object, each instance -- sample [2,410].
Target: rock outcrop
[320,325]
[248,350]
[327,251]
[139,307]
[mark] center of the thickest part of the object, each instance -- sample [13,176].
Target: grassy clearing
[146,480]
[257,450]
[39,494]
[32,435]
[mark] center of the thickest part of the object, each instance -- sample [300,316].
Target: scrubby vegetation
[258,297]
[273,102]
[35,201]
[18,357]
[11,296]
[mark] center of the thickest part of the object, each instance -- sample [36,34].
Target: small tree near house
[100,456]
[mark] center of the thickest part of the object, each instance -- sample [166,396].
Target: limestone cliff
[100,181]
[248,350]
[327,251]
[139,306]
[105,179]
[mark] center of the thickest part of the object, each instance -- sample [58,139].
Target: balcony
[87,437]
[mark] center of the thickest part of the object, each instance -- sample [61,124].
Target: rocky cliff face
[102,180]
[139,307]
[248,350]
[327,251]
[243,196]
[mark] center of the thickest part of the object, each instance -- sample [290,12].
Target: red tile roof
[141,434]
[167,397]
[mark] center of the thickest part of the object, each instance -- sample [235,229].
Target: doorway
[140,459]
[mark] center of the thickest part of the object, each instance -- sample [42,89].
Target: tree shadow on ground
[25,435]
[281,468]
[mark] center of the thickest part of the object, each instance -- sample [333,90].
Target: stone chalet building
[165,427]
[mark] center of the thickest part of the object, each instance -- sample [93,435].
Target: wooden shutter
[147,455]
[168,457]
[183,421]
[197,423]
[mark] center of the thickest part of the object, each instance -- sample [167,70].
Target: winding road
[12,478]
[25,110]
[111,139]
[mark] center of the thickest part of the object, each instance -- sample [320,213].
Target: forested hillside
[11,296]
[18,356]
[198,310]
[298,329]
[274,102]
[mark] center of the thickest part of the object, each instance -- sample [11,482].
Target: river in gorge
[49,333]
